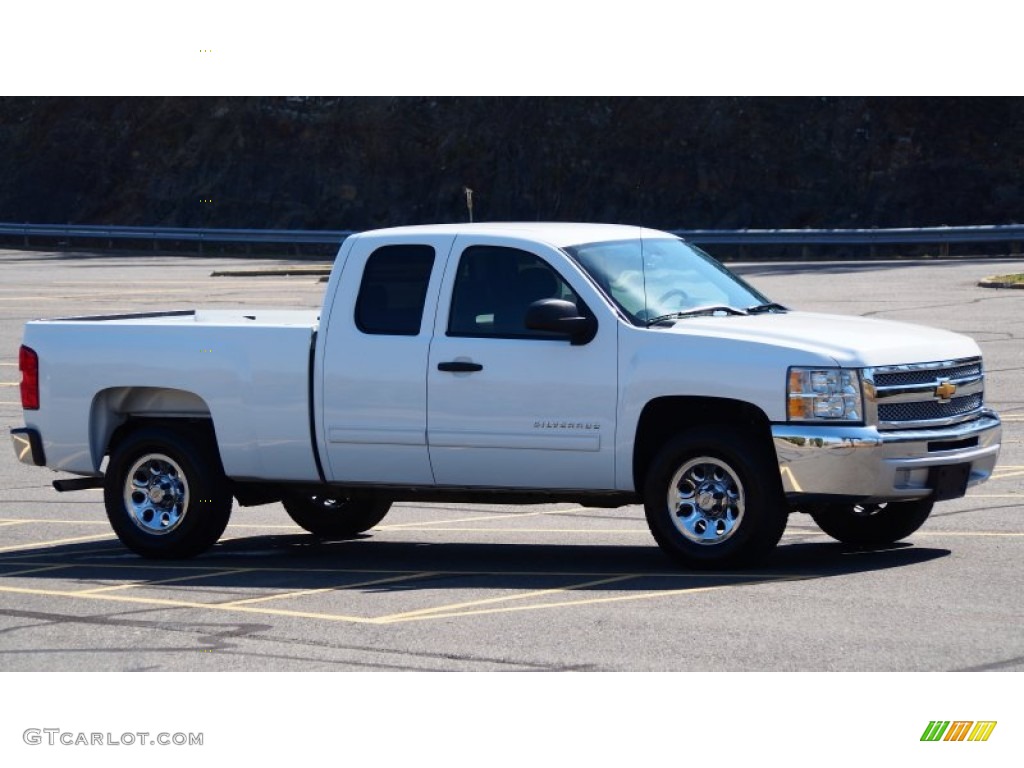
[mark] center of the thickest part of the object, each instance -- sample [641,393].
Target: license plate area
[949,482]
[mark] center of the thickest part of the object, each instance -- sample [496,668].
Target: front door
[509,407]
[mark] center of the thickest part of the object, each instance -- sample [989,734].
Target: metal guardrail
[1007,233]
[180,234]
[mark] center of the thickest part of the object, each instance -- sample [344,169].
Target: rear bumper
[868,465]
[28,447]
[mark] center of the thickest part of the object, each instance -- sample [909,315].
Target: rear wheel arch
[199,429]
[116,411]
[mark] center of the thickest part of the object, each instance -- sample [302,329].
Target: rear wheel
[872,525]
[165,493]
[335,517]
[711,500]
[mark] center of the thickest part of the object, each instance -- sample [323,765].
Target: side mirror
[561,317]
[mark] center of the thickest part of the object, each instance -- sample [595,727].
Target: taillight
[28,363]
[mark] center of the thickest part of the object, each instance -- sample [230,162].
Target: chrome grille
[928,411]
[923,395]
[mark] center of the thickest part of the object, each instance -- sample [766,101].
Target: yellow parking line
[55,542]
[303,592]
[137,584]
[439,612]
[521,596]
[7,558]
[186,604]
[150,565]
[9,402]
[10,383]
[36,570]
[589,601]
[10,521]
[787,474]
[997,475]
[411,573]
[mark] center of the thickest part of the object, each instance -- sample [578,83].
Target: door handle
[459,366]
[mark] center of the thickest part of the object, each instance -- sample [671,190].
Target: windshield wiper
[771,306]
[708,310]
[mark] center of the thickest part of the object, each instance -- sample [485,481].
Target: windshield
[653,279]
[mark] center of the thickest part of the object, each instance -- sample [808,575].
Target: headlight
[823,394]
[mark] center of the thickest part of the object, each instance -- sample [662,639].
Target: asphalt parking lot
[490,587]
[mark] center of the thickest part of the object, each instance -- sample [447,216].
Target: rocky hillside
[354,163]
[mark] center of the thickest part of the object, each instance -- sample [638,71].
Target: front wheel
[872,525]
[165,493]
[712,501]
[331,517]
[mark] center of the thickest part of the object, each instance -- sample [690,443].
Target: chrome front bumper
[869,465]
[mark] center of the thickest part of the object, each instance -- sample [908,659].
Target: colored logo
[958,730]
[945,391]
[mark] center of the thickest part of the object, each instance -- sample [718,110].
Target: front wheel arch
[664,419]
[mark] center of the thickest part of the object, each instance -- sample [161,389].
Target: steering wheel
[683,295]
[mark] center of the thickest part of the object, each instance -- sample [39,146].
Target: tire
[333,517]
[165,493]
[873,525]
[712,499]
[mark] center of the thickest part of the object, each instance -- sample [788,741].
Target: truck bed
[248,369]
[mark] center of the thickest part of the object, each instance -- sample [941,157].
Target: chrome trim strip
[910,367]
[915,393]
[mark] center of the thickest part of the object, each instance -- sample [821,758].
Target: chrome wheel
[712,497]
[156,494]
[706,500]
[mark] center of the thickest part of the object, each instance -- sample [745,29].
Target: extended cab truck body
[521,362]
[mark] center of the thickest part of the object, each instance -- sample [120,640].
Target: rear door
[509,407]
[375,361]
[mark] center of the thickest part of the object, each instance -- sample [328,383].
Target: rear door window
[394,290]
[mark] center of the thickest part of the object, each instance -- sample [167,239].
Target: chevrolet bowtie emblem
[945,391]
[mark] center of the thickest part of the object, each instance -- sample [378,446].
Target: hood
[852,342]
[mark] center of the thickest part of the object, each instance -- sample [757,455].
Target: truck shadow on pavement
[261,565]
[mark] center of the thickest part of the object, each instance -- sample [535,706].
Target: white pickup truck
[519,363]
